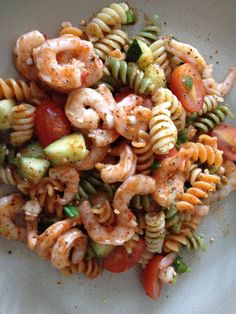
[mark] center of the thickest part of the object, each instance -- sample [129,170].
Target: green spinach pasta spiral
[129,74]
[208,121]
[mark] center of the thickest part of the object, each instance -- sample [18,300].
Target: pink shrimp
[95,155]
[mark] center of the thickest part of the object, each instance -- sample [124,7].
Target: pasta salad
[113,148]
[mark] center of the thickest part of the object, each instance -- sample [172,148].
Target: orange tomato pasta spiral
[22,124]
[90,268]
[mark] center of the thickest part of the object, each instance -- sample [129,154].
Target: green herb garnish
[71,211]
[155,165]
[188,82]
[131,18]
[180,266]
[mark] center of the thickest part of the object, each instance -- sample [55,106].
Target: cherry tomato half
[186,83]
[150,280]
[119,260]
[51,123]
[226,139]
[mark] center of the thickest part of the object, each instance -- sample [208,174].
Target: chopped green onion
[71,211]
[182,137]
[155,165]
[130,17]
[180,266]
[188,82]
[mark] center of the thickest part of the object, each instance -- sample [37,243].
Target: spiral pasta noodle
[90,268]
[145,258]
[173,219]
[140,202]
[104,213]
[144,154]
[205,152]
[106,20]
[8,176]
[209,120]
[22,124]
[162,129]
[155,231]
[68,28]
[202,183]
[116,40]
[177,111]
[210,104]
[184,238]
[10,88]
[160,56]
[129,74]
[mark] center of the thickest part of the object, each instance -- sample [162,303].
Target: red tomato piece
[171,153]
[150,278]
[186,83]
[51,123]
[123,93]
[226,139]
[119,260]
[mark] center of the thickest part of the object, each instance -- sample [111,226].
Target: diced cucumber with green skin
[68,149]
[131,18]
[6,106]
[101,250]
[140,53]
[33,150]
[156,74]
[3,153]
[33,169]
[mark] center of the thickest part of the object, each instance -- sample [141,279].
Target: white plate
[29,285]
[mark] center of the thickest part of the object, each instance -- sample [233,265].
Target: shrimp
[185,52]
[49,237]
[116,235]
[72,241]
[80,67]
[121,171]
[23,52]
[10,207]
[70,177]
[131,117]
[137,184]
[103,137]
[95,155]
[170,177]
[226,189]
[212,87]
[32,210]
[81,117]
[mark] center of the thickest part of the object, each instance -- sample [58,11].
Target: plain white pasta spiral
[160,56]
[22,123]
[116,40]
[155,231]
[162,129]
[108,18]
[177,111]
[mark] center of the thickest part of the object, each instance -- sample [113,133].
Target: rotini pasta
[162,129]
[116,40]
[177,111]
[68,28]
[155,231]
[8,176]
[144,153]
[129,74]
[22,124]
[10,88]
[160,56]
[106,20]
[90,268]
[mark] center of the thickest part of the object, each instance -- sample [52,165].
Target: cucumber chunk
[67,149]
[33,150]
[156,74]
[33,169]
[140,53]
[101,250]
[6,106]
